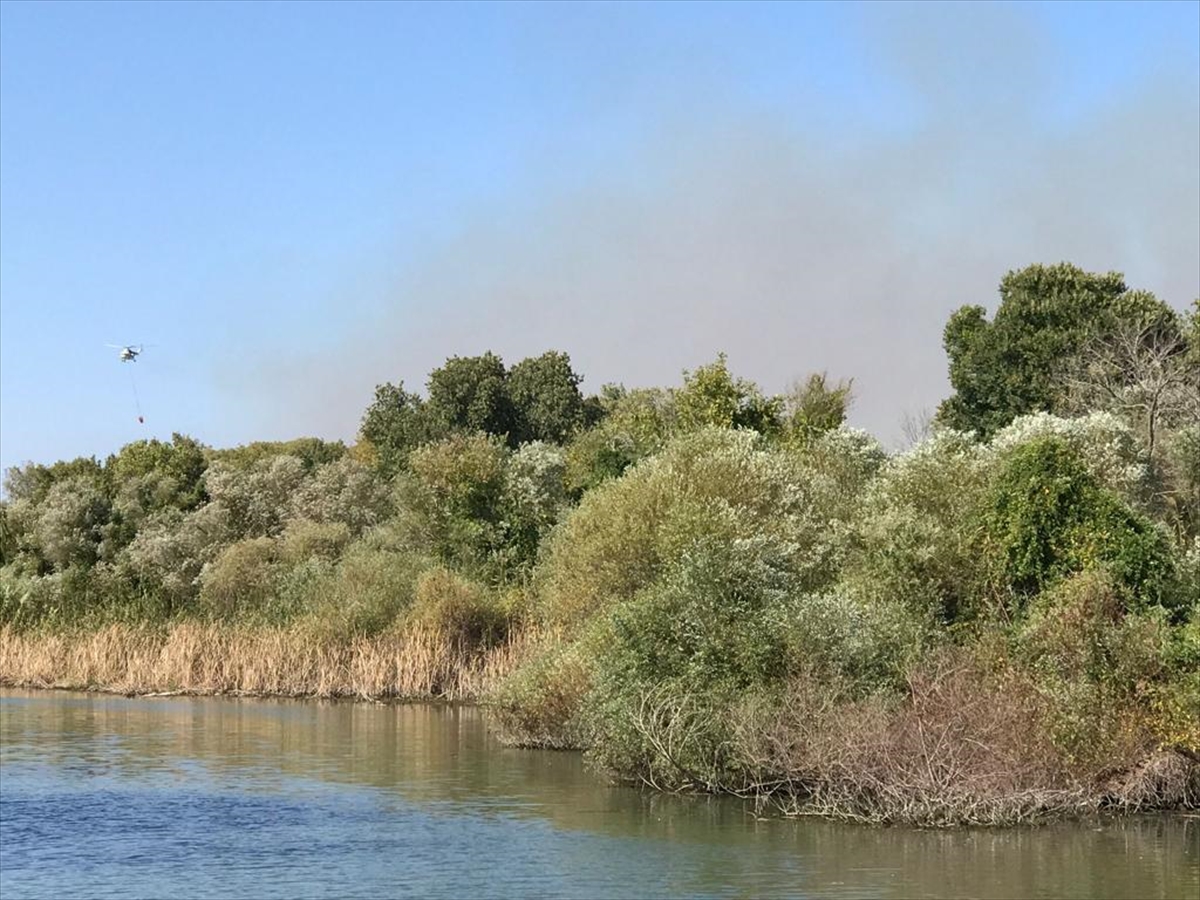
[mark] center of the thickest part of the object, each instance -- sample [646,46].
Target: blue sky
[293,202]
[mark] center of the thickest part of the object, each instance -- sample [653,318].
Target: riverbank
[416,663]
[958,750]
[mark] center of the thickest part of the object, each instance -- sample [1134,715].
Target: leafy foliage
[816,407]
[713,587]
[395,424]
[712,396]
[546,398]
[1046,517]
[471,394]
[1012,365]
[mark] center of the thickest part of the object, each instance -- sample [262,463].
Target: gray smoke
[732,227]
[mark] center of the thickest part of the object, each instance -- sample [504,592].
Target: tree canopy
[1012,365]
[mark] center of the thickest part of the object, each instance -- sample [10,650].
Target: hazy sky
[294,202]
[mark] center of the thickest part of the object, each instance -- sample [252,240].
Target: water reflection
[384,800]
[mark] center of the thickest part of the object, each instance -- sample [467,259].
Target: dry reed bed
[194,658]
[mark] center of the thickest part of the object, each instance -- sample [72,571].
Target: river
[104,796]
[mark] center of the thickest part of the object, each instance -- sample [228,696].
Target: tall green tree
[546,398]
[396,423]
[1013,364]
[471,394]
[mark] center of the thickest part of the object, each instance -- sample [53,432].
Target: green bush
[303,540]
[241,579]
[452,502]
[635,425]
[459,608]
[365,593]
[724,627]
[711,396]
[1046,517]
[170,550]
[539,704]
[713,483]
[911,539]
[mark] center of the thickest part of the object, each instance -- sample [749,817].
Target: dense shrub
[304,540]
[711,396]
[310,451]
[67,528]
[256,497]
[343,491]
[1046,517]
[912,537]
[713,483]
[539,705]
[459,608]
[452,502]
[534,498]
[1107,447]
[634,425]
[172,548]
[1108,671]
[241,578]
[815,407]
[369,590]
[175,467]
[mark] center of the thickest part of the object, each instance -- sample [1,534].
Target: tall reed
[416,662]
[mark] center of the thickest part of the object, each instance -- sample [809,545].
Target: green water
[188,797]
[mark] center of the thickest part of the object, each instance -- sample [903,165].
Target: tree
[816,406]
[470,394]
[182,460]
[452,501]
[395,424]
[546,398]
[1013,364]
[1140,371]
[257,499]
[712,396]
[68,523]
[535,495]
[310,451]
[632,425]
[345,492]
[33,481]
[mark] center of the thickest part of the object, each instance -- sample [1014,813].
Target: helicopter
[129,352]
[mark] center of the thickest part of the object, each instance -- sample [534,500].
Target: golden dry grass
[195,658]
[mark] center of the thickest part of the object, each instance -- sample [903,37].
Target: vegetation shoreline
[424,666]
[222,660]
[703,587]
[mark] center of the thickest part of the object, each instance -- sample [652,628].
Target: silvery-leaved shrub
[344,491]
[534,496]
[67,528]
[712,483]
[911,539]
[1107,446]
[172,548]
[257,497]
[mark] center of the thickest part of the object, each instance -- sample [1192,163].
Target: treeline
[734,591]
